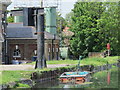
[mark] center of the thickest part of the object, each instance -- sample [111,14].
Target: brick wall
[27,48]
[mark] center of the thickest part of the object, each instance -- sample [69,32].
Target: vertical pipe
[53,49]
[5,42]
[1,33]
[35,18]
[41,63]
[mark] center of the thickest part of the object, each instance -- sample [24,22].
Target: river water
[102,79]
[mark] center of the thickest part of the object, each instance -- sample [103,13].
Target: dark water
[104,79]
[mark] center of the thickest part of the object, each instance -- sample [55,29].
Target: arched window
[16,52]
[35,52]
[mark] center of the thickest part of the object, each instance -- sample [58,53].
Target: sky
[64,6]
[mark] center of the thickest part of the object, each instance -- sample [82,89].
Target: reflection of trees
[47,84]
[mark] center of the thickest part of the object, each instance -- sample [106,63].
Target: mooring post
[41,62]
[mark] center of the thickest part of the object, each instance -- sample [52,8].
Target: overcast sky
[65,6]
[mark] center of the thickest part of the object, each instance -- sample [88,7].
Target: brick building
[22,43]
[20,39]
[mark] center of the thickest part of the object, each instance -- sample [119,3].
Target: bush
[21,85]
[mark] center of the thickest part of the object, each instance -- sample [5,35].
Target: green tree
[94,25]
[68,17]
[108,26]
[61,23]
[10,19]
[118,29]
[84,26]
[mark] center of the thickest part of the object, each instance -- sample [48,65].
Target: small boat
[77,77]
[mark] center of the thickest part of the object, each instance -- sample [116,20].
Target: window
[49,48]
[35,52]
[56,49]
[16,53]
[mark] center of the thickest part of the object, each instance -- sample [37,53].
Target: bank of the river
[86,61]
[102,80]
[11,78]
[16,76]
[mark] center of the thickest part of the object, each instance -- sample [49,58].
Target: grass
[112,59]
[11,76]
[87,61]
[0,77]
[63,62]
[59,62]
[21,85]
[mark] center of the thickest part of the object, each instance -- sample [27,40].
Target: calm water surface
[103,79]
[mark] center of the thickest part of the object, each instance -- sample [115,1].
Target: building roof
[66,32]
[15,24]
[25,32]
[20,32]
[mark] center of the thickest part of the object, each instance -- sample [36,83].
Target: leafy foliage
[68,17]
[61,23]
[10,19]
[21,85]
[94,25]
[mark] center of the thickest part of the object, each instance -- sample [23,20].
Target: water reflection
[75,80]
[58,84]
[47,84]
[102,79]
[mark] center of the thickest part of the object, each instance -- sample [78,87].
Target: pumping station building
[21,36]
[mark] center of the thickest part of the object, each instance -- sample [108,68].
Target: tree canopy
[61,23]
[10,19]
[94,25]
